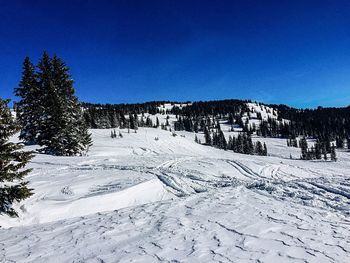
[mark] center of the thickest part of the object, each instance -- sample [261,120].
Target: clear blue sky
[295,52]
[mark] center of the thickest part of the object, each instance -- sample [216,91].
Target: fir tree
[12,163]
[333,154]
[240,144]
[136,121]
[230,143]
[222,144]
[27,109]
[318,154]
[131,122]
[303,145]
[264,150]
[149,122]
[259,148]
[63,130]
[207,136]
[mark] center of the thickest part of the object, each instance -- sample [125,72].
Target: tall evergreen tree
[63,130]
[12,164]
[27,109]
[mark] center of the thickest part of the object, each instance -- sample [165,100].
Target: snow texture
[137,199]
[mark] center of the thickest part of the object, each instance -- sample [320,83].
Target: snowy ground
[137,199]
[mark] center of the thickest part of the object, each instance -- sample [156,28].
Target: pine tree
[303,145]
[149,122]
[132,122]
[136,122]
[207,136]
[230,143]
[63,130]
[240,144]
[259,148]
[28,108]
[318,154]
[333,154]
[325,156]
[222,144]
[264,150]
[12,163]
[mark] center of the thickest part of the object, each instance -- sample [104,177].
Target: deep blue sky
[295,52]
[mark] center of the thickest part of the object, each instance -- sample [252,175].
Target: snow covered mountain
[152,197]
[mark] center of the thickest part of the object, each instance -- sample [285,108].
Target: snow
[265,111]
[137,199]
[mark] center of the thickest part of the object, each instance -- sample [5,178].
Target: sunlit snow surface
[137,199]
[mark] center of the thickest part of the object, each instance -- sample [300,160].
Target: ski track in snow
[139,200]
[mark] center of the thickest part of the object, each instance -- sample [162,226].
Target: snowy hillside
[141,199]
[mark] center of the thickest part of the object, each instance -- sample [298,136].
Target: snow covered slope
[137,199]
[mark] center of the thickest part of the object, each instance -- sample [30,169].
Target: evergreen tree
[12,163]
[249,147]
[230,143]
[303,145]
[195,127]
[222,144]
[318,154]
[63,130]
[240,144]
[259,148]
[149,122]
[136,122]
[234,144]
[132,122]
[27,109]
[264,150]
[325,154]
[333,154]
[207,136]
